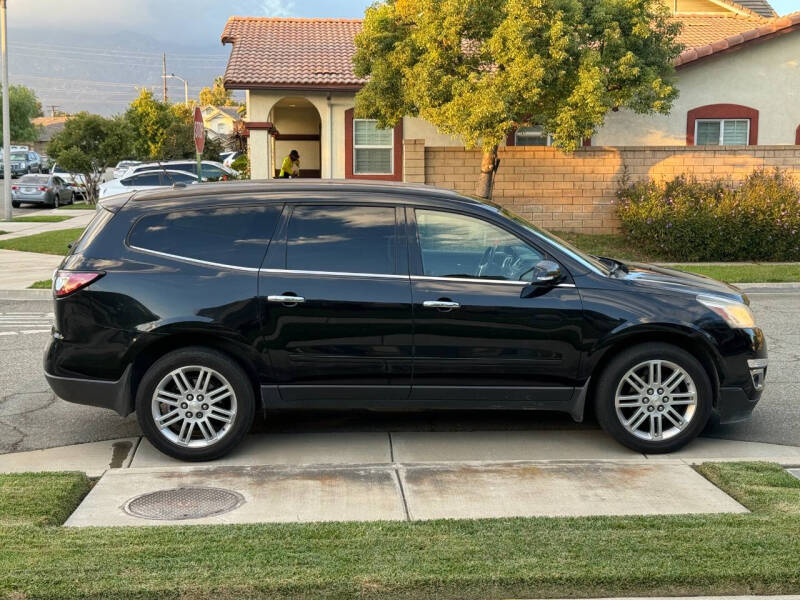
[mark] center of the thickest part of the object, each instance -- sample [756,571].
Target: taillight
[66,282]
[14,187]
[43,188]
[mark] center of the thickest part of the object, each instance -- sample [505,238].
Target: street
[32,418]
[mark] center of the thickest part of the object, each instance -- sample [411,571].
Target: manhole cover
[184,503]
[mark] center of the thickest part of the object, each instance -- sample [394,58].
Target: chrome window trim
[198,261]
[336,273]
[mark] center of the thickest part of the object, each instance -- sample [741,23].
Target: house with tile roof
[739,79]
[220,121]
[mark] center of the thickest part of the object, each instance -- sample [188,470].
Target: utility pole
[164,73]
[6,116]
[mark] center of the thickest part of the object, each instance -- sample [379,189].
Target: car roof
[175,171]
[230,190]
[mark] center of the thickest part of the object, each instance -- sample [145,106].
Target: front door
[480,335]
[336,302]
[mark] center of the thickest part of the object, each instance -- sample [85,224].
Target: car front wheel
[195,404]
[654,398]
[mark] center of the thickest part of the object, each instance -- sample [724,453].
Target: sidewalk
[18,270]
[16,229]
[403,476]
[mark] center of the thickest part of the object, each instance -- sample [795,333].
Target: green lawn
[76,206]
[616,246]
[757,553]
[45,284]
[42,219]
[763,273]
[51,242]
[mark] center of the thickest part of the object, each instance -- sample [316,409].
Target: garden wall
[576,192]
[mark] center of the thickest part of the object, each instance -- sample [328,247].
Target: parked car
[22,163]
[227,158]
[123,166]
[49,190]
[197,307]
[146,180]
[46,163]
[76,181]
[212,171]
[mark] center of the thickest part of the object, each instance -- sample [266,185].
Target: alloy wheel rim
[194,406]
[656,400]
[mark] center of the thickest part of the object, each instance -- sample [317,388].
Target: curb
[26,294]
[769,287]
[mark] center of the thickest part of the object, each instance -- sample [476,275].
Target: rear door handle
[286,299]
[441,304]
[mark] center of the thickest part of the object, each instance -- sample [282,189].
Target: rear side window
[232,235]
[100,219]
[350,239]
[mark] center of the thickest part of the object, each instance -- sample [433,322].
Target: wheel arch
[683,338]
[164,344]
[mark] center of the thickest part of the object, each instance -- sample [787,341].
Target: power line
[111,52]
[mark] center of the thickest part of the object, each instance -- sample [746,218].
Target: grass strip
[76,206]
[762,273]
[40,498]
[45,284]
[50,242]
[617,246]
[756,553]
[43,218]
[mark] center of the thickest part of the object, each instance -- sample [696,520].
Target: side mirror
[546,271]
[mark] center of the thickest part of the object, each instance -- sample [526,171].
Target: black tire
[204,357]
[15,204]
[55,201]
[612,375]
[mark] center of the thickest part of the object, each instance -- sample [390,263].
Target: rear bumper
[114,395]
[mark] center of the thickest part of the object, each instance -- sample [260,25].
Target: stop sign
[199,130]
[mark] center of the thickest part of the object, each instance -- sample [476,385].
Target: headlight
[736,314]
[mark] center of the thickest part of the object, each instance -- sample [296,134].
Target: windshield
[579,255]
[38,179]
[19,156]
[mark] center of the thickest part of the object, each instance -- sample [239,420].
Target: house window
[722,132]
[373,148]
[532,136]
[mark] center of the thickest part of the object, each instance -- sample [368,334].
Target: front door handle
[441,304]
[286,299]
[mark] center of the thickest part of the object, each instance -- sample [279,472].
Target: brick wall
[576,192]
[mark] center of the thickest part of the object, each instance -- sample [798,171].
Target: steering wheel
[487,259]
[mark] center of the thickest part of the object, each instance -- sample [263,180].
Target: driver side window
[454,245]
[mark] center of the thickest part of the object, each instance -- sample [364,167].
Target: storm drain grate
[184,503]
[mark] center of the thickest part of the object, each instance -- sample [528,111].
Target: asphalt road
[32,417]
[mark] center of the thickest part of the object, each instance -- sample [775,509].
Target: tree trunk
[489,164]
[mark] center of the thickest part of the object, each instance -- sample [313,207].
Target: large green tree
[217,95]
[478,69]
[89,144]
[24,106]
[163,131]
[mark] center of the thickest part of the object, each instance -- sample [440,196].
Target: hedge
[684,219]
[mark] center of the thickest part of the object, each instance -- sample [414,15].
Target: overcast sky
[96,55]
[186,20]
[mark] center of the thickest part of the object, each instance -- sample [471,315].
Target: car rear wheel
[654,398]
[15,204]
[195,404]
[55,201]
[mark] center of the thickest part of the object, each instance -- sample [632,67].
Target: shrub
[758,220]
[242,164]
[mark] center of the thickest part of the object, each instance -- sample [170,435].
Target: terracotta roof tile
[317,53]
[271,52]
[734,39]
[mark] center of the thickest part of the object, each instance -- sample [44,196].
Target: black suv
[196,307]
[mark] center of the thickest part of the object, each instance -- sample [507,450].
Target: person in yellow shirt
[290,166]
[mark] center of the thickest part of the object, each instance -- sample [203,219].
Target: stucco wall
[764,76]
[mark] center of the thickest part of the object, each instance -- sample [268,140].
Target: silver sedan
[49,190]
